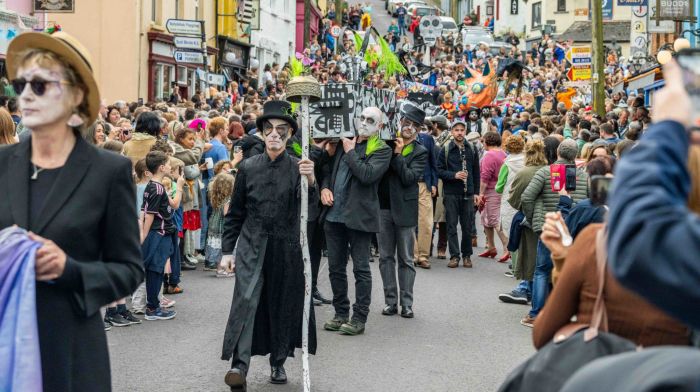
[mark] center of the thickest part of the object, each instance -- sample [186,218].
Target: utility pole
[598,79]
[339,13]
[307,21]
[454,10]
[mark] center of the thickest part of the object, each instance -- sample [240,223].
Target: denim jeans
[341,240]
[204,208]
[175,261]
[524,287]
[541,280]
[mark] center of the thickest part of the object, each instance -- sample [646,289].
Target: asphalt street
[462,339]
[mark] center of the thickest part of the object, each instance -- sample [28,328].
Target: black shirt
[156,202]
[39,190]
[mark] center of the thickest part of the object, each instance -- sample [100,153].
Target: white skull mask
[370,122]
[430,28]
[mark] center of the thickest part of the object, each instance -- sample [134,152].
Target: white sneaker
[166,302]
[224,274]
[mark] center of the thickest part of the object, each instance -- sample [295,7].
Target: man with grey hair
[634,131]
[537,200]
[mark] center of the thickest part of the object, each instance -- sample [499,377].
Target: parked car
[421,10]
[448,26]
[394,4]
[474,35]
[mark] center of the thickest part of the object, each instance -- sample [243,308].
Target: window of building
[561,5]
[536,16]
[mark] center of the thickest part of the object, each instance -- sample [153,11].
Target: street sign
[632,3]
[579,54]
[663,27]
[579,73]
[581,62]
[187,42]
[184,27]
[189,57]
[335,31]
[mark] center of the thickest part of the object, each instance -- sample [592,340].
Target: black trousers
[314,231]
[343,242]
[459,210]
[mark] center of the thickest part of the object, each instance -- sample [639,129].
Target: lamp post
[668,51]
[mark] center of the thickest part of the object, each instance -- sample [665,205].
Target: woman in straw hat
[77,201]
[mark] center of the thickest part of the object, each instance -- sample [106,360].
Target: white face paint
[408,128]
[370,122]
[273,141]
[55,106]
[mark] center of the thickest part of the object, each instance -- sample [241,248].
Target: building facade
[15,18]
[276,43]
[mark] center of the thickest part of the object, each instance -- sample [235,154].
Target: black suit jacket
[90,213]
[403,176]
[362,206]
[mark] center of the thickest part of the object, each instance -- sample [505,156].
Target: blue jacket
[430,174]
[580,216]
[653,239]
[20,364]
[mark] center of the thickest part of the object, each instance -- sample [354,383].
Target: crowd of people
[404,200]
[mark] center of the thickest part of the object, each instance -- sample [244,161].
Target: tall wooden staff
[303,90]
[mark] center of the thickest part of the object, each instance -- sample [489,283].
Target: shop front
[234,58]
[11,24]
[313,24]
[165,74]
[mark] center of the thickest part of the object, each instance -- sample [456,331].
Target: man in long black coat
[263,225]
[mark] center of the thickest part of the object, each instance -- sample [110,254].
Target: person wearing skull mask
[398,201]
[351,214]
[474,123]
[263,225]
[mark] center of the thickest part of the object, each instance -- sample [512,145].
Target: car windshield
[423,11]
[448,24]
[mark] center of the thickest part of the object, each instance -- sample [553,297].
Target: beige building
[132,52]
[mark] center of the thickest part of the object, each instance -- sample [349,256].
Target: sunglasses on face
[38,85]
[282,130]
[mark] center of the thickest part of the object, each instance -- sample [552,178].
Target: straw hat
[70,51]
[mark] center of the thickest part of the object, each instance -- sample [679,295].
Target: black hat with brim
[281,110]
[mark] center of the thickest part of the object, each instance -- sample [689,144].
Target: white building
[275,40]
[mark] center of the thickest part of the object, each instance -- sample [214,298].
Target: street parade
[350,195]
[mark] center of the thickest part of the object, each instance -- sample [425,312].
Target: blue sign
[607,9]
[631,3]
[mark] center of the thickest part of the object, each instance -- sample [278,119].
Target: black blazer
[362,208]
[90,213]
[403,176]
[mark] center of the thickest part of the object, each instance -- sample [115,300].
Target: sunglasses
[38,85]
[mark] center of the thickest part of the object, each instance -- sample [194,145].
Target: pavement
[462,339]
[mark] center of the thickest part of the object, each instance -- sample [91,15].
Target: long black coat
[90,213]
[264,220]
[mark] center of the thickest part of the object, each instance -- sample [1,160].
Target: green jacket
[538,198]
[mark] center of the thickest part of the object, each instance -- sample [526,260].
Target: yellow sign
[579,73]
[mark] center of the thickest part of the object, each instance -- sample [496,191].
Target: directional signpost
[581,62]
[190,40]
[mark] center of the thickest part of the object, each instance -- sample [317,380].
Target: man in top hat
[267,308]
[398,203]
[474,123]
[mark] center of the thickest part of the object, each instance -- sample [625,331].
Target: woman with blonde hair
[7,128]
[514,162]
[524,266]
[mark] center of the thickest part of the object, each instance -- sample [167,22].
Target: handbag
[573,346]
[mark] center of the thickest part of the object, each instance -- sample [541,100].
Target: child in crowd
[224,166]
[143,176]
[172,278]
[114,146]
[159,232]
[220,190]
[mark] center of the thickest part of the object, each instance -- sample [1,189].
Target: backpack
[573,346]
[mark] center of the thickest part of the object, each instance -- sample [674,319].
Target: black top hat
[413,113]
[281,110]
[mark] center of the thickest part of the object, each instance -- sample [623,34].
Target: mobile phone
[237,149]
[570,178]
[600,186]
[689,60]
[557,177]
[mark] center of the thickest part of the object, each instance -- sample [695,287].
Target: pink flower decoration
[299,56]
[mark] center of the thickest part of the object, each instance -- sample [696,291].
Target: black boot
[320,298]
[278,375]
